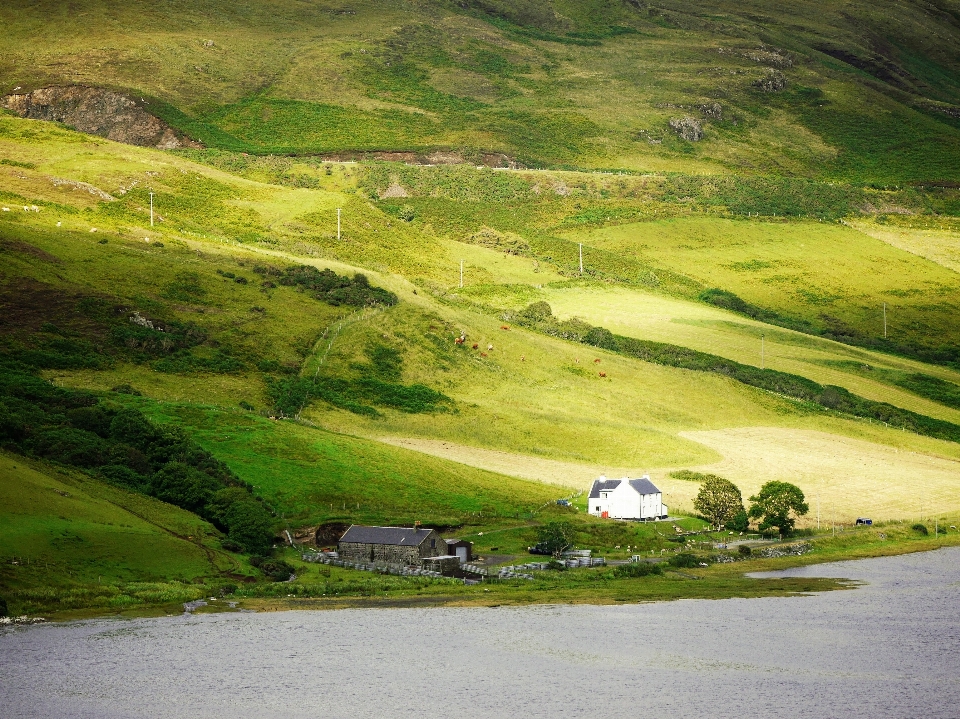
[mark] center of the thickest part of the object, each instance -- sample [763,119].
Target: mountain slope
[866,92]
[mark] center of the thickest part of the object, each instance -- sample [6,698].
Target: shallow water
[890,648]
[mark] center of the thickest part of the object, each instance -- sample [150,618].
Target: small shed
[393,545]
[461,549]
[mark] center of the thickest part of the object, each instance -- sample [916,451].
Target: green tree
[555,538]
[718,500]
[774,504]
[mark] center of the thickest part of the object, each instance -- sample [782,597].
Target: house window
[433,544]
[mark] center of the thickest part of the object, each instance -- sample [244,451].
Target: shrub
[3,607]
[744,551]
[920,528]
[276,569]
[126,389]
[246,405]
[637,569]
[684,560]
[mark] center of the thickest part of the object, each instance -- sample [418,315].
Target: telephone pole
[151,209]
[461,273]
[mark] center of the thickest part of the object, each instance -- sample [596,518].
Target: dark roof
[642,486]
[405,536]
[603,484]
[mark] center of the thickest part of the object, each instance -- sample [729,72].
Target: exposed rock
[85,186]
[98,112]
[773,81]
[687,128]
[712,110]
[394,190]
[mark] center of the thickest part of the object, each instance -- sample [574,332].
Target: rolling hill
[720,238]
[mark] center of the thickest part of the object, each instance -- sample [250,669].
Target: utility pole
[461,273]
[581,259]
[338,223]
[151,209]
[884,320]
[818,511]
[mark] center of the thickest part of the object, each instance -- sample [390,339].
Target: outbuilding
[626,499]
[392,545]
[460,548]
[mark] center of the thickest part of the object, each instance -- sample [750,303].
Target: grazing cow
[476,346]
[603,374]
[6,209]
[483,354]
[504,327]
[489,348]
[596,361]
[522,358]
[459,340]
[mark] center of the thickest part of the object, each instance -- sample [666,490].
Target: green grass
[816,277]
[79,543]
[311,475]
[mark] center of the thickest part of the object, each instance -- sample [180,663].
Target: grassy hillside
[859,93]
[70,541]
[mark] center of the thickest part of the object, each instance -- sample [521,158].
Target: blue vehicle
[864,521]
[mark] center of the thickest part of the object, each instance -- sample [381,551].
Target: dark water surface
[888,649]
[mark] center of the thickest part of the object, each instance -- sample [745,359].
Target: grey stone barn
[393,545]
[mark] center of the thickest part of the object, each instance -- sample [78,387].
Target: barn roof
[405,536]
[641,486]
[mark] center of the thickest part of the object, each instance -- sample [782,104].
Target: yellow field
[848,477]
[940,246]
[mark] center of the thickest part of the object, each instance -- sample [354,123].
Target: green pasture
[69,541]
[816,277]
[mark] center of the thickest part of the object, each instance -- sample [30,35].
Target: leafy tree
[247,521]
[3,607]
[774,504]
[555,538]
[740,522]
[182,485]
[718,500]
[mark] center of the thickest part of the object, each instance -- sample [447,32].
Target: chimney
[416,525]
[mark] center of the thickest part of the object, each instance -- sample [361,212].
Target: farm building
[626,499]
[460,548]
[393,545]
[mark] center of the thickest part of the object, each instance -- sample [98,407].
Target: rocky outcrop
[687,128]
[98,112]
[773,81]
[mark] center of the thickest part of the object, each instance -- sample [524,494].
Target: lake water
[890,648]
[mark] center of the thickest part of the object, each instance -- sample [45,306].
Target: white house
[626,499]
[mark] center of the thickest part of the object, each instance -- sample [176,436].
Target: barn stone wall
[392,553]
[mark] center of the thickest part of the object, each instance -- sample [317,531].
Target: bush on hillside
[744,550]
[921,528]
[637,569]
[684,560]
[333,289]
